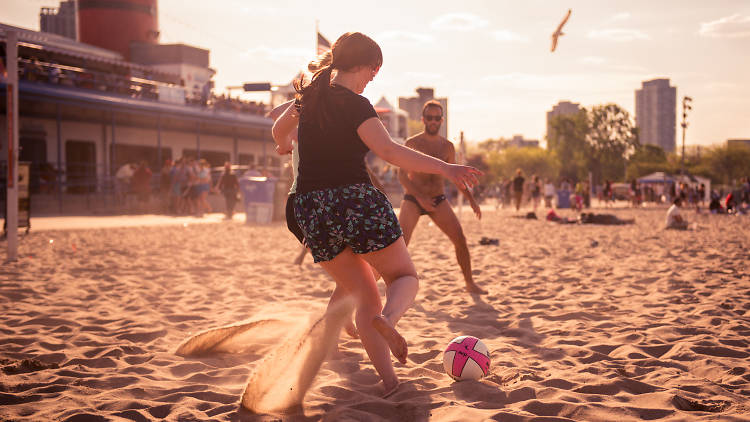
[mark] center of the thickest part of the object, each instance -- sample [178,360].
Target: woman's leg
[354,276]
[204,201]
[339,293]
[395,266]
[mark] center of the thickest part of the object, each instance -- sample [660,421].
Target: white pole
[11,213]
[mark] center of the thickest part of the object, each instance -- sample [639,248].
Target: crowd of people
[182,187]
[123,82]
[535,192]
[51,72]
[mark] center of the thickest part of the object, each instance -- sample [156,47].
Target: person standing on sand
[549,193]
[228,185]
[346,222]
[518,182]
[424,193]
[536,192]
[141,185]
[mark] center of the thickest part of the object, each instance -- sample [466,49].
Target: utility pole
[685,107]
[11,211]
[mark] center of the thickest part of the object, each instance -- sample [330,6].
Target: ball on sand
[466,358]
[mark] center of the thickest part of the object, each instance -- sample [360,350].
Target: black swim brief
[436,200]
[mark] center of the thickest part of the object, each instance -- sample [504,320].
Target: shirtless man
[424,193]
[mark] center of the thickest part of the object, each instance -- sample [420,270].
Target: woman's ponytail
[309,95]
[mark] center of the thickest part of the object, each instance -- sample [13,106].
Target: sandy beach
[583,322]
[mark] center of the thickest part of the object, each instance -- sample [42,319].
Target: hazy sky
[490,58]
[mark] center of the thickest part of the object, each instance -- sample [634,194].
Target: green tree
[492,144]
[567,140]
[726,163]
[645,160]
[611,138]
[532,161]
[478,160]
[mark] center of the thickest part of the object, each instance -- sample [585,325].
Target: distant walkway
[147,220]
[102,222]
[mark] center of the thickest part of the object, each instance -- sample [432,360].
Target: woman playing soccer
[346,222]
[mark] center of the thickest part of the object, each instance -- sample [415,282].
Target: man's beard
[431,131]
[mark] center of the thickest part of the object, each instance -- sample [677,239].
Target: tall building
[656,113]
[413,106]
[562,108]
[59,20]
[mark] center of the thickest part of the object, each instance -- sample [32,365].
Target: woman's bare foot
[395,341]
[351,329]
[390,390]
[474,289]
[301,257]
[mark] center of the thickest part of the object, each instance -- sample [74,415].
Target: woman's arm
[374,179]
[373,134]
[284,125]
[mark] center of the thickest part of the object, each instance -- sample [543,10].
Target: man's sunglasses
[431,118]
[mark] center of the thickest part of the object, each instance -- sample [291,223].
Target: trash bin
[563,199]
[257,196]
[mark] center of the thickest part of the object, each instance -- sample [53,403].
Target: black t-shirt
[334,155]
[229,183]
[518,184]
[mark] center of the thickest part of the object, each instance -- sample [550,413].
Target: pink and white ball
[466,358]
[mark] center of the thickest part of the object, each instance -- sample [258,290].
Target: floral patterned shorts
[358,216]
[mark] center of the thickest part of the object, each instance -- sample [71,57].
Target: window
[80,166]
[247,159]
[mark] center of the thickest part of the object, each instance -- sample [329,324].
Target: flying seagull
[558,32]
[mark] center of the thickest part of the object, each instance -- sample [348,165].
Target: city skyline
[491,60]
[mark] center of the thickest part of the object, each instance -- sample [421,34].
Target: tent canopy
[656,177]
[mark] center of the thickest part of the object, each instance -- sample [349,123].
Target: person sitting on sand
[346,222]
[674,218]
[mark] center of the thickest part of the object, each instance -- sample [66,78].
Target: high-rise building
[413,106]
[59,20]
[656,113]
[562,108]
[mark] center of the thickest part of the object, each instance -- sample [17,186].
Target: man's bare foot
[474,289]
[395,341]
[351,329]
